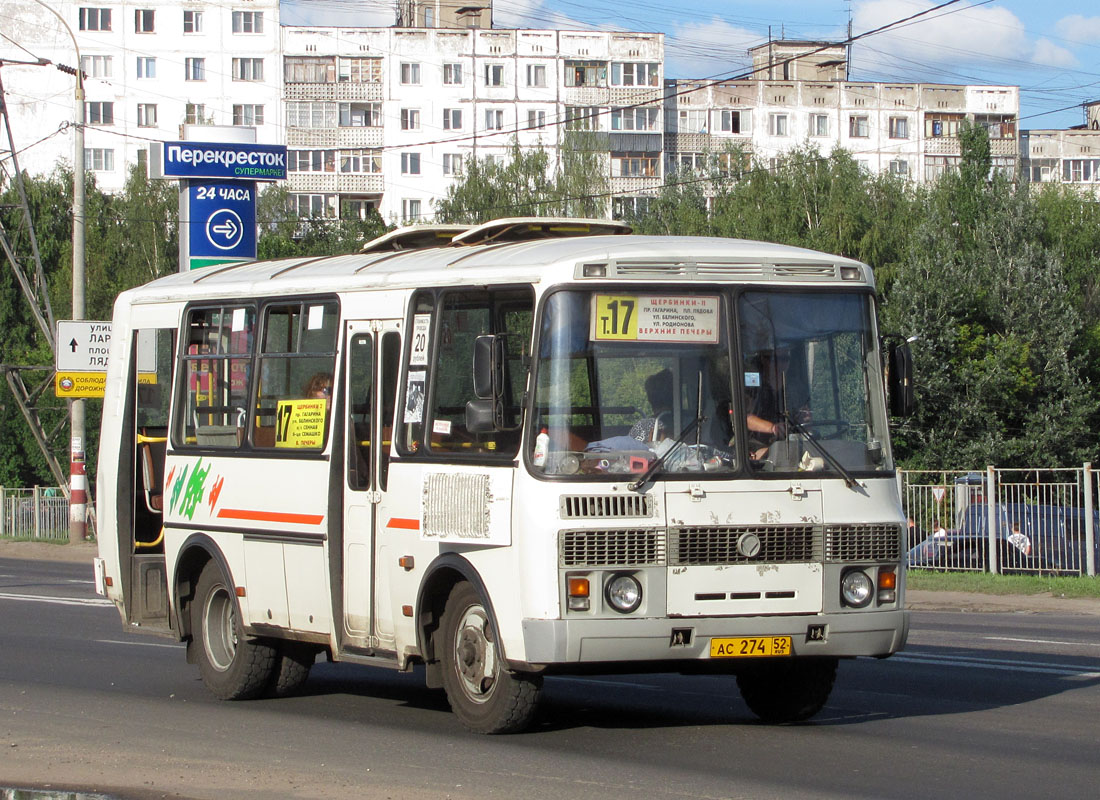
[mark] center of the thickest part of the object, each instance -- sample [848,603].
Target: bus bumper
[592,641]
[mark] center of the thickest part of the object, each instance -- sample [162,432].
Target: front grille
[863,543]
[605,506]
[637,547]
[779,544]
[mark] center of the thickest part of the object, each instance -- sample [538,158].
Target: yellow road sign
[80,384]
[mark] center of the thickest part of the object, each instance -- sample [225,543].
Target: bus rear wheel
[232,666]
[789,690]
[484,694]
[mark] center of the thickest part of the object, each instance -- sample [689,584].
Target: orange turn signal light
[578,587]
[887,579]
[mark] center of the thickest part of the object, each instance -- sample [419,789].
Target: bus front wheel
[484,695]
[232,666]
[787,691]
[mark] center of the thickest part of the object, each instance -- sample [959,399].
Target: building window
[147,115]
[99,159]
[494,74]
[143,21]
[687,162]
[899,127]
[351,208]
[452,74]
[937,166]
[1080,170]
[96,66]
[536,75]
[194,69]
[735,121]
[634,119]
[192,22]
[410,73]
[361,162]
[99,113]
[248,115]
[1044,170]
[313,205]
[410,163]
[899,166]
[494,119]
[146,67]
[819,124]
[586,73]
[360,115]
[315,114]
[359,70]
[452,119]
[777,124]
[194,114]
[629,207]
[858,127]
[248,69]
[452,163]
[582,118]
[630,74]
[410,119]
[690,121]
[309,69]
[410,208]
[95,19]
[536,119]
[634,165]
[311,160]
[997,126]
[936,125]
[248,22]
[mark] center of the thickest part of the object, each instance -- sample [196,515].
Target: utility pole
[78,481]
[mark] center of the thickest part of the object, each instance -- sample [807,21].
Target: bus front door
[373,350]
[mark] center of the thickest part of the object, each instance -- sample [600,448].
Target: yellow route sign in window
[301,423]
[655,318]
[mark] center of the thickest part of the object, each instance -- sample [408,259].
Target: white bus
[527,448]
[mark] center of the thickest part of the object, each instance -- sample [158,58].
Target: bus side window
[391,365]
[360,408]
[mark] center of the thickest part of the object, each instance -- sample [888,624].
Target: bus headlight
[856,589]
[624,593]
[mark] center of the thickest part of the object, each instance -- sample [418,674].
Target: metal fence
[1003,520]
[38,513]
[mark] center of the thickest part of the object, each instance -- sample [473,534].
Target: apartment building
[387,117]
[1065,156]
[150,67]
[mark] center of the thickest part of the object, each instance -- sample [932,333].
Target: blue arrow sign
[223,219]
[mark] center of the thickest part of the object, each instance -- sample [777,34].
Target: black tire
[790,690]
[484,695]
[232,666]
[292,666]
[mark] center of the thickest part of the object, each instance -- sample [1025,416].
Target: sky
[1052,52]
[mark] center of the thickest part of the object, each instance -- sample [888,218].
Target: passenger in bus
[658,389]
[319,386]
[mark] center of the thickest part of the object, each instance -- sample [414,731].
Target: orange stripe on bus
[404,524]
[271,516]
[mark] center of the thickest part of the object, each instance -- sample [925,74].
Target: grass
[983,582]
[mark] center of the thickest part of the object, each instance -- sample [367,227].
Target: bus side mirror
[900,380]
[486,413]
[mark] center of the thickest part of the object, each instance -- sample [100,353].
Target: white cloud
[1048,54]
[1076,28]
[941,40]
[703,50]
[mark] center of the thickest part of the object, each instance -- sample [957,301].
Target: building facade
[387,117]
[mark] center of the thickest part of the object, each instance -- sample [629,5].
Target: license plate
[750,646]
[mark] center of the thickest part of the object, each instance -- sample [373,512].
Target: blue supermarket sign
[222,219]
[241,161]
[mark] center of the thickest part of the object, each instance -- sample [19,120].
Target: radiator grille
[863,543]
[637,547]
[779,544]
[601,506]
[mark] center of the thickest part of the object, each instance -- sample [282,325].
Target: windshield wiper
[660,460]
[849,480]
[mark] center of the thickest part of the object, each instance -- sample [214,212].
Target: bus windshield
[625,377]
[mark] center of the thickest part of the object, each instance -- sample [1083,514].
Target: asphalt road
[980,705]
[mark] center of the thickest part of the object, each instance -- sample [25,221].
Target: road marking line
[1008,661]
[1006,666]
[63,601]
[1040,641]
[140,644]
